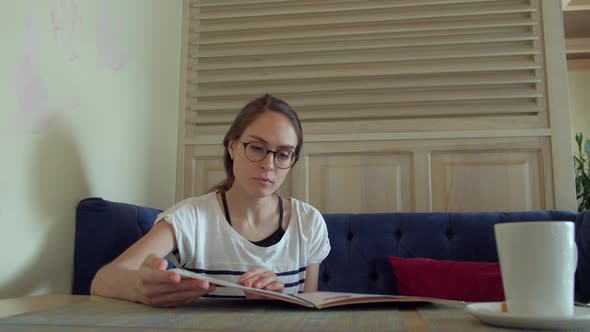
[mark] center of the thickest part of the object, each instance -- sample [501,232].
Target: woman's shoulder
[309,220]
[197,199]
[205,198]
[304,209]
[192,203]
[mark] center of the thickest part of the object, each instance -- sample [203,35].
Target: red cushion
[452,280]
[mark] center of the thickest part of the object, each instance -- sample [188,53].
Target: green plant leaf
[582,172]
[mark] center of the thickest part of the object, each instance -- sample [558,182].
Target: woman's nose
[269,161]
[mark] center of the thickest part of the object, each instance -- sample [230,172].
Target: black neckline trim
[274,238]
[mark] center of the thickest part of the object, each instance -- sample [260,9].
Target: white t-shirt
[208,244]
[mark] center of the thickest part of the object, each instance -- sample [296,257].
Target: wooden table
[88,313]
[28,304]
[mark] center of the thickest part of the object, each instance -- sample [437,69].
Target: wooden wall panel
[360,182]
[208,171]
[487,181]
[460,175]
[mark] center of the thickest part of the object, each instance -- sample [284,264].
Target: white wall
[89,94]
[579,90]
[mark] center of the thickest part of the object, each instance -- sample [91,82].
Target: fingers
[261,278]
[155,262]
[275,286]
[154,268]
[176,298]
[156,286]
[171,294]
[154,276]
[251,273]
[264,280]
[186,285]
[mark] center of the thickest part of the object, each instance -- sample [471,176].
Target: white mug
[538,261]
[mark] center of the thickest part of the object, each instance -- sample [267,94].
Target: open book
[318,300]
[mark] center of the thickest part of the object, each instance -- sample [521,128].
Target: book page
[318,299]
[330,299]
[262,292]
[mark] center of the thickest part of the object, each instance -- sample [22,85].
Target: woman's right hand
[158,287]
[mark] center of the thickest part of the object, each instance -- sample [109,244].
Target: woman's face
[262,178]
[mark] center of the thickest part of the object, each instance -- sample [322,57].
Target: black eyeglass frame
[274,157]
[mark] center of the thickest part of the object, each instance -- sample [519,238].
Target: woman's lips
[263,180]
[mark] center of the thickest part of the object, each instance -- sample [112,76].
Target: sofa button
[350,236]
[374,276]
[449,234]
[398,234]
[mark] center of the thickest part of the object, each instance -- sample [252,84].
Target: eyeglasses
[256,151]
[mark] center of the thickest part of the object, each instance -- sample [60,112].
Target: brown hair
[247,115]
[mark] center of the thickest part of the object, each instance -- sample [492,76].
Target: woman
[242,231]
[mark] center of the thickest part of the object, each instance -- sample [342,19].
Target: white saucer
[490,313]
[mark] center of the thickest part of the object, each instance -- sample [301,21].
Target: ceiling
[576,22]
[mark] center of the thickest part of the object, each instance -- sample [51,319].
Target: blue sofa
[360,243]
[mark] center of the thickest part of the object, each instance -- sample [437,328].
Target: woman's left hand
[260,278]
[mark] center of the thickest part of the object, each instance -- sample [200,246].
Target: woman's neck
[253,211]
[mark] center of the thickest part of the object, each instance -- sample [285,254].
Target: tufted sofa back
[360,243]
[105,229]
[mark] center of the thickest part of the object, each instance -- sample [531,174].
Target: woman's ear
[230,148]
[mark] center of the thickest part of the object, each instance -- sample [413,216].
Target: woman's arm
[139,274]
[311,278]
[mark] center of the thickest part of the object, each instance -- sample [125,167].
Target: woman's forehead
[274,128]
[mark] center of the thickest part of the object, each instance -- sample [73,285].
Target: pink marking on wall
[67,26]
[33,98]
[35,109]
[109,54]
